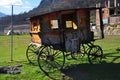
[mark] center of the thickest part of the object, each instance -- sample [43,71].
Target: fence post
[11,46]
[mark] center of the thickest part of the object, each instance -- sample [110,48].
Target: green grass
[20,44]
[73,70]
[109,46]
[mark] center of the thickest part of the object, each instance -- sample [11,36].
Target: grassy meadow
[73,70]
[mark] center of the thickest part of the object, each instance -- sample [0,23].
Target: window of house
[68,24]
[35,26]
[71,24]
[54,24]
[74,25]
[112,11]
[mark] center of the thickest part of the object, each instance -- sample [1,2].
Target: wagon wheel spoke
[32,56]
[59,59]
[50,60]
[31,53]
[95,54]
[84,49]
[58,64]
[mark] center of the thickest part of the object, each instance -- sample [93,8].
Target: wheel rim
[31,53]
[95,54]
[50,60]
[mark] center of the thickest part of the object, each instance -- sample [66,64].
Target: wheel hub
[50,57]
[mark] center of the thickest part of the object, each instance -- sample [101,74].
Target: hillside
[22,18]
[2,14]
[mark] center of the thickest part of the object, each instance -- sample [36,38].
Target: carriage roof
[61,5]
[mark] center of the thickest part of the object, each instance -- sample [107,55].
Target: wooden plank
[35,38]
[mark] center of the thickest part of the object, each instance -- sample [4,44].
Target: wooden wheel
[50,60]
[95,54]
[84,48]
[32,52]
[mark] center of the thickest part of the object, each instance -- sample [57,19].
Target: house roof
[58,5]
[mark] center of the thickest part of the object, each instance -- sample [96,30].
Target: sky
[19,6]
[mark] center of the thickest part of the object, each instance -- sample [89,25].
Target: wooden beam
[101,23]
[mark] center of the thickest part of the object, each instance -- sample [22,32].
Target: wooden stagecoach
[61,28]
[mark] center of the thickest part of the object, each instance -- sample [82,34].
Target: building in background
[17,29]
[111,14]
[111,17]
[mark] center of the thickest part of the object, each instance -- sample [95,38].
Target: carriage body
[64,30]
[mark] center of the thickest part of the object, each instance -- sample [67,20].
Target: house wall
[84,27]
[114,19]
[105,14]
[49,28]
[43,25]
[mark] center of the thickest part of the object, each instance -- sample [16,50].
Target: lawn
[73,70]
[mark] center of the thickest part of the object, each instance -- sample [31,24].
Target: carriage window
[68,24]
[54,24]
[71,24]
[35,26]
[74,26]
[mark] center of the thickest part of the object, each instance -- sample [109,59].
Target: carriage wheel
[49,60]
[32,52]
[95,54]
[83,50]
[86,48]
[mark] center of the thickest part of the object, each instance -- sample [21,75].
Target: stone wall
[112,30]
[115,20]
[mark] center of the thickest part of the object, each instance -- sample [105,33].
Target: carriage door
[69,24]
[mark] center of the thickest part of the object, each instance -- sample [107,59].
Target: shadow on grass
[104,71]
[114,55]
[93,72]
[111,53]
[31,64]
